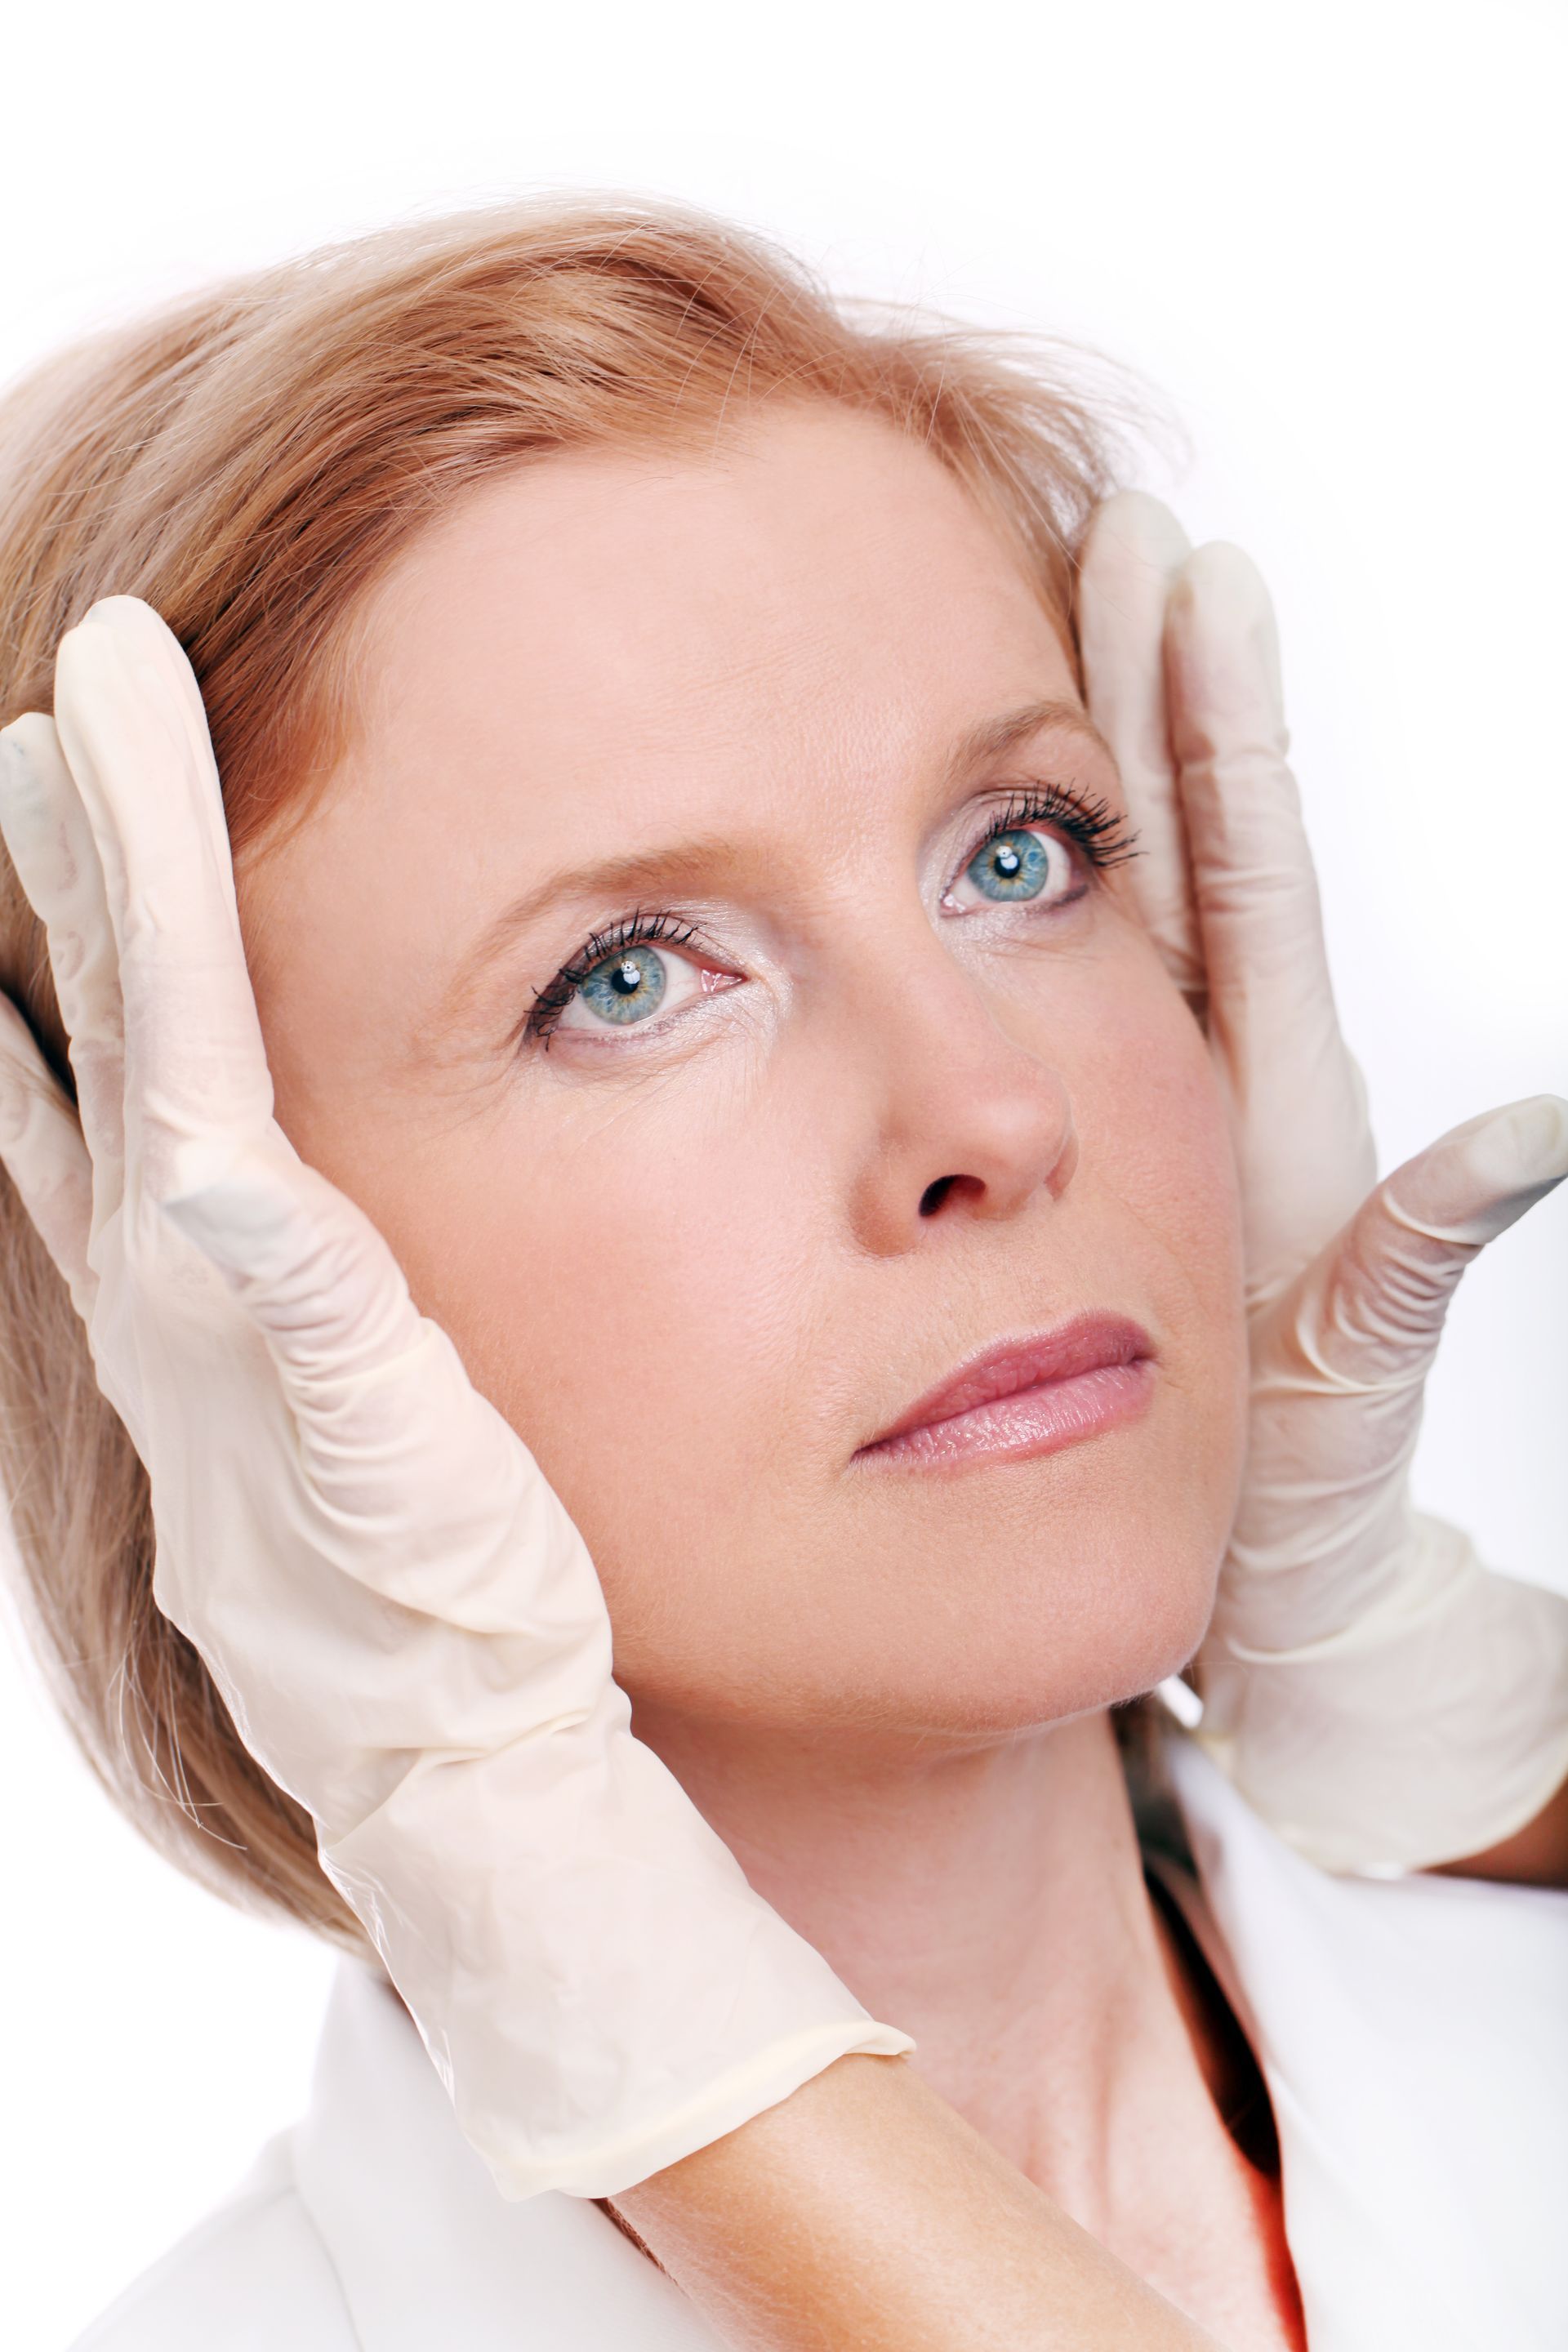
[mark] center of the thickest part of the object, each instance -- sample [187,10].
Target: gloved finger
[51,846]
[1132,551]
[385,1421]
[1304,1142]
[1375,1323]
[44,1155]
[1339,1370]
[305,1264]
[134,732]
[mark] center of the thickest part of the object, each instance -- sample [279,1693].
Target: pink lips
[1028,1396]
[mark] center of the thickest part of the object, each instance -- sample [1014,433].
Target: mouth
[1027,1397]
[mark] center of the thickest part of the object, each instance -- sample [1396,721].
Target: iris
[626,986]
[1011,866]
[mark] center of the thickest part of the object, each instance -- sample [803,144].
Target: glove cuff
[1431,1727]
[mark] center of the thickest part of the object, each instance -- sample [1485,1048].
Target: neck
[990,1901]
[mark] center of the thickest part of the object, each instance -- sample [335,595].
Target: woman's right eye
[630,984]
[627,987]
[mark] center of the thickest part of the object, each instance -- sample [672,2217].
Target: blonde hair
[248,462]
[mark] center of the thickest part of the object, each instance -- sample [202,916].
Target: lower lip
[1043,1419]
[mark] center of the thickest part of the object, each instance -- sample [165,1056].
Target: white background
[1331,233]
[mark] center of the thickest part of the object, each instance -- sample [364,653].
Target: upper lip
[1086,1343]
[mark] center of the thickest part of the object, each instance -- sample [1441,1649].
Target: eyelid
[594,1026]
[670,933]
[1099,836]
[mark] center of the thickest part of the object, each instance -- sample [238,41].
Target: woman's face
[707,1217]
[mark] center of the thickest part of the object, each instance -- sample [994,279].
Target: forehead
[781,646]
[816,584]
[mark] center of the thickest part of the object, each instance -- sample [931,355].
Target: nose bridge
[959,1117]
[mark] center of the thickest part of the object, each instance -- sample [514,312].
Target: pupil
[1014,867]
[626,987]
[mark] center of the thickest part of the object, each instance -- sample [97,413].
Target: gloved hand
[1375,1692]
[402,1619]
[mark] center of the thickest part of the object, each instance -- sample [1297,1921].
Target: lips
[1074,1350]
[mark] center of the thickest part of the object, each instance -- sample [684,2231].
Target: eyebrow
[710,863]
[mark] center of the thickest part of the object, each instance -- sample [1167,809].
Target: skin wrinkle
[692,1269]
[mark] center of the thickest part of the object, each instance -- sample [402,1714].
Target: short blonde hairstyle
[249,462]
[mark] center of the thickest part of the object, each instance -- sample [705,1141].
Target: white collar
[426,2249]
[1414,2034]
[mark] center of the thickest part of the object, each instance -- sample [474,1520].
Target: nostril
[935,1194]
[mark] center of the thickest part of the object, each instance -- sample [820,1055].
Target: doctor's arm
[1535,1855]
[865,2211]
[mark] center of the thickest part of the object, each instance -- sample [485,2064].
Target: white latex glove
[397,1611]
[1380,1696]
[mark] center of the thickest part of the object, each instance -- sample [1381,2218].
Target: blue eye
[627,986]
[621,979]
[1011,866]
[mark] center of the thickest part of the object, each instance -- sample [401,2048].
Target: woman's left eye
[1020,863]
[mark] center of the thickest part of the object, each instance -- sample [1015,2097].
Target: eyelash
[1104,838]
[551,1001]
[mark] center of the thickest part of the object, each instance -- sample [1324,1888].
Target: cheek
[1155,1136]
[1155,1133]
[637,1299]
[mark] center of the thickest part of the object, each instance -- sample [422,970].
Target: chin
[1056,1685]
[1007,1656]
[1032,1610]
[1049,1590]
[980,1609]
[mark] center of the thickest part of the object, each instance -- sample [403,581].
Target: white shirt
[1413,2033]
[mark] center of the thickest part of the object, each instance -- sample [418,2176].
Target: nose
[966,1120]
